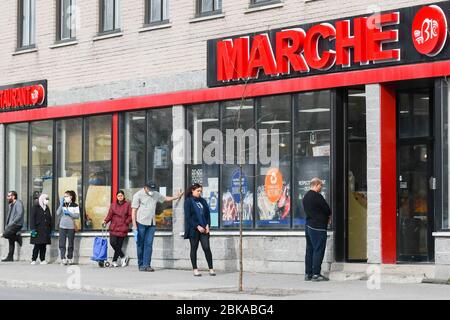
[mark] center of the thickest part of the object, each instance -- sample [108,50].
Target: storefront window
[159,146]
[17,163]
[69,160]
[98,171]
[238,115]
[311,147]
[200,118]
[41,161]
[132,152]
[273,190]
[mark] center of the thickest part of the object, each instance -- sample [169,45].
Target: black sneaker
[8,259]
[308,277]
[319,277]
[149,269]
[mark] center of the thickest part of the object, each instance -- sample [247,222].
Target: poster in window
[307,168]
[208,177]
[231,200]
[160,157]
[273,198]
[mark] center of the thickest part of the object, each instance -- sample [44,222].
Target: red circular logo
[37,94]
[429,30]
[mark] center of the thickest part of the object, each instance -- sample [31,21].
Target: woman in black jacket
[41,228]
[197,221]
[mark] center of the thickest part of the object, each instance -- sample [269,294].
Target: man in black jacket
[318,215]
[14,223]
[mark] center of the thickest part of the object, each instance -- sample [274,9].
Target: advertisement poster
[232,200]
[306,169]
[207,177]
[273,198]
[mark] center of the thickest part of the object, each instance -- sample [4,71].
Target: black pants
[63,234]
[316,241]
[12,236]
[39,249]
[116,244]
[204,239]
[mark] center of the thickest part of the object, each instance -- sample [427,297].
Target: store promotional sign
[23,96]
[403,36]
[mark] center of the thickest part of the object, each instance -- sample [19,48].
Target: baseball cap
[151,185]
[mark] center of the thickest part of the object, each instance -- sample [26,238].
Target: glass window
[132,152]
[110,15]
[200,118]
[311,146]
[159,146]
[66,19]
[208,6]
[445,221]
[414,119]
[157,11]
[237,115]
[273,190]
[27,23]
[69,160]
[257,2]
[41,161]
[17,163]
[357,175]
[97,181]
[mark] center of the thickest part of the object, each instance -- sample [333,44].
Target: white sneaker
[33,262]
[63,262]
[115,264]
[69,261]
[125,261]
[44,262]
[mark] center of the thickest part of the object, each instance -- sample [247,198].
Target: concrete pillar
[373,127]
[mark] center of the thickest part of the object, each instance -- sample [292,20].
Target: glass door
[415,183]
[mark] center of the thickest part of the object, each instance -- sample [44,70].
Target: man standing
[14,223]
[318,215]
[143,210]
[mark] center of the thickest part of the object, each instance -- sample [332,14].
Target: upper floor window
[156,11]
[27,23]
[66,20]
[205,7]
[109,15]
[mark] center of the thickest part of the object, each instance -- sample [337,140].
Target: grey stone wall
[373,173]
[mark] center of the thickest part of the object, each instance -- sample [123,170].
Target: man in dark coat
[317,219]
[41,228]
[14,223]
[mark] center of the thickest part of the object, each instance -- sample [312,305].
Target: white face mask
[45,202]
[67,199]
[150,193]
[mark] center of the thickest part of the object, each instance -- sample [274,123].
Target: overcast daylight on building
[353,92]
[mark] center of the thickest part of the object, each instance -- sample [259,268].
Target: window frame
[148,11]
[116,22]
[214,11]
[60,20]
[20,26]
[254,4]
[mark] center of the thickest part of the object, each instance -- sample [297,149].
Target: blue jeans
[145,245]
[316,241]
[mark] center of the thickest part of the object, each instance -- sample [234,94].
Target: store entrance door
[415,180]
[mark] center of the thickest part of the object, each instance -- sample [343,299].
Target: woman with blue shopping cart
[69,211]
[120,217]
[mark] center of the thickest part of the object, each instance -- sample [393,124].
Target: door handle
[432,183]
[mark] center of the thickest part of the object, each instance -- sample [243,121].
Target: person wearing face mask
[144,223]
[68,211]
[41,228]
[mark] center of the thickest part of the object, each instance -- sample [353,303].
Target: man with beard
[14,223]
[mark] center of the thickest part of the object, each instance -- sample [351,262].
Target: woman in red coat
[120,217]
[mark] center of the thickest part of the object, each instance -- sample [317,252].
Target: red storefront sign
[362,42]
[21,96]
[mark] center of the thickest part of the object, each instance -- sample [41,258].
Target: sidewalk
[181,284]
